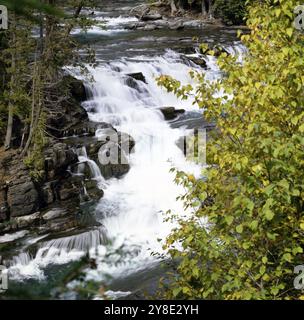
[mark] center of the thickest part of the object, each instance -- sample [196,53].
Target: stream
[133,208]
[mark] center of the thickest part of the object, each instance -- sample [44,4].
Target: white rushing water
[132,209]
[94,169]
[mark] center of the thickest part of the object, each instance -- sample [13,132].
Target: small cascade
[94,169]
[56,251]
[80,242]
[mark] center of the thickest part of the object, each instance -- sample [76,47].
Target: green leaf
[239,228]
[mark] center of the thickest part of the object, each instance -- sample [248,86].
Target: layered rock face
[68,182]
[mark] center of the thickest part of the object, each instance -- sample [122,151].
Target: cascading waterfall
[133,208]
[56,251]
[94,169]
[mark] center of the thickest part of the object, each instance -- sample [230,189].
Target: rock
[179,25]
[22,198]
[68,113]
[61,224]
[151,17]
[149,27]
[86,128]
[77,88]
[193,24]
[48,193]
[217,50]
[140,10]
[68,190]
[187,50]
[161,24]
[4,210]
[58,158]
[137,76]
[19,192]
[113,161]
[126,142]
[94,192]
[54,214]
[171,113]
[29,220]
[196,61]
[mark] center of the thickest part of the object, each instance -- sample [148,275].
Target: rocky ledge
[68,183]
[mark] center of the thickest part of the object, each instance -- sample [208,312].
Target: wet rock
[137,76]
[217,50]
[149,27]
[196,61]
[126,142]
[179,25]
[68,190]
[151,17]
[76,87]
[61,224]
[93,190]
[187,50]
[171,113]
[135,25]
[113,161]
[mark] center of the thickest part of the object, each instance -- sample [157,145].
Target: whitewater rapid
[134,207]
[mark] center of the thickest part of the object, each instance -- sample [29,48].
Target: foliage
[230,11]
[24,8]
[32,67]
[246,233]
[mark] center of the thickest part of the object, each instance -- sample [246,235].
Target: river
[132,209]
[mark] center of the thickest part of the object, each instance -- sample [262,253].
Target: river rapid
[133,208]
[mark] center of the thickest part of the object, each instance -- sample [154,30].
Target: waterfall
[94,169]
[133,208]
[56,251]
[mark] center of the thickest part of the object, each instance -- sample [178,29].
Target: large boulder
[22,197]
[19,194]
[170,113]
[137,76]
[76,86]
[58,158]
[67,112]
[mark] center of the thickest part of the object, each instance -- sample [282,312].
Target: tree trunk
[36,108]
[9,130]
[204,11]
[173,7]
